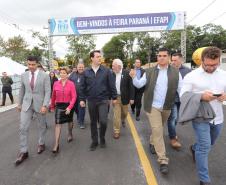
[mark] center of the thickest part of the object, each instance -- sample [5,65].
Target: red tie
[32,80]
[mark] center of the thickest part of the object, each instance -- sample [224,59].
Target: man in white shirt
[161,84]
[208,80]
[125,95]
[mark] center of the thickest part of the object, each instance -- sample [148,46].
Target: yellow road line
[148,171]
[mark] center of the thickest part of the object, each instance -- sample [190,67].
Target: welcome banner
[118,23]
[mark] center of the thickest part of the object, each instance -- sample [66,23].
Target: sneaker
[93,146]
[164,169]
[175,144]
[82,127]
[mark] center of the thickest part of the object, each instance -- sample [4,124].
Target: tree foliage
[122,46]
[80,47]
[15,48]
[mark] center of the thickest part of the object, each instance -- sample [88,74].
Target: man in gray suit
[34,97]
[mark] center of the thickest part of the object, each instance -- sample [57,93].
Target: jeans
[172,120]
[80,111]
[206,135]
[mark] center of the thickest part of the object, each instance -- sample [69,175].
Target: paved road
[118,164]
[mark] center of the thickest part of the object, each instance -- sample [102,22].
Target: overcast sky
[19,16]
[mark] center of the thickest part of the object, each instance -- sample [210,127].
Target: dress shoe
[116,135]
[55,151]
[164,169]
[138,118]
[193,153]
[123,124]
[175,143]
[102,144]
[204,183]
[152,149]
[21,157]
[93,146]
[41,148]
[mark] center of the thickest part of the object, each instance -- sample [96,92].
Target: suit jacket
[40,95]
[126,87]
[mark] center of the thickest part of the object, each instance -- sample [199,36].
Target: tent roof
[11,67]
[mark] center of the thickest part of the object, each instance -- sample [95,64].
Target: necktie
[32,80]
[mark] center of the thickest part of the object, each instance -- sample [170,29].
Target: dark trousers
[80,111]
[4,96]
[98,110]
[137,103]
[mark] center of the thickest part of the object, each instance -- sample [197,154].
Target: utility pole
[183,40]
[50,48]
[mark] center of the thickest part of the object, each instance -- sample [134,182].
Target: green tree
[15,48]
[114,49]
[80,47]
[2,46]
[41,50]
[147,47]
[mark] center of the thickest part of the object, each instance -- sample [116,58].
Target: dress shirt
[199,81]
[118,81]
[35,76]
[138,73]
[95,69]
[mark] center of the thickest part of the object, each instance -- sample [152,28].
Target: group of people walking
[164,90]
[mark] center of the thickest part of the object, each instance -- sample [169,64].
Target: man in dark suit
[125,92]
[34,98]
[138,91]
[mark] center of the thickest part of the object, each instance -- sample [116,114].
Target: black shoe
[93,146]
[152,149]
[193,153]
[138,118]
[164,169]
[102,144]
[123,124]
[204,183]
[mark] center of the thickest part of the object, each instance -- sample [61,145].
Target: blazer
[193,109]
[40,95]
[126,87]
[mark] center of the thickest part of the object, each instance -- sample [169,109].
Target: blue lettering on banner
[119,23]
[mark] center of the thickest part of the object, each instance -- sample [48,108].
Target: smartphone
[217,95]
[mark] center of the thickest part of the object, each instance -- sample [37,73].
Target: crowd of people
[170,91]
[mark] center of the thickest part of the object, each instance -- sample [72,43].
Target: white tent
[11,67]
